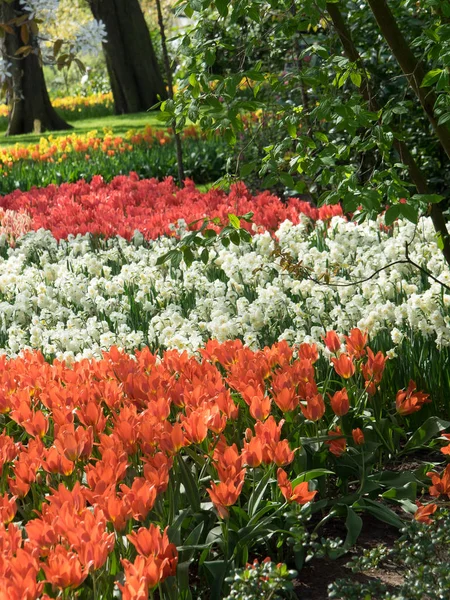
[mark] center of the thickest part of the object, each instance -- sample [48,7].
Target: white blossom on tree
[5,72]
[89,37]
[43,9]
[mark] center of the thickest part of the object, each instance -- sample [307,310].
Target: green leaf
[428,198]
[114,564]
[166,257]
[392,214]
[321,137]
[444,119]
[190,485]
[399,493]
[210,57]
[183,580]
[191,540]
[258,494]
[287,180]
[235,238]
[188,256]
[356,78]
[409,212]
[188,11]
[245,236]
[430,77]
[380,511]
[222,7]
[292,130]
[430,429]
[248,168]
[204,256]
[308,475]
[353,524]
[234,221]
[217,569]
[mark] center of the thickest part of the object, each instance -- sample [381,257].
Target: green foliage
[204,238]
[312,131]
[265,581]
[420,556]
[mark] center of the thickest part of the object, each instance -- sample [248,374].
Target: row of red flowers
[127,204]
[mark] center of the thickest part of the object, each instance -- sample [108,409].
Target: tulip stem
[94,586]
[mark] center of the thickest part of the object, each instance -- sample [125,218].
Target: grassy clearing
[119,124]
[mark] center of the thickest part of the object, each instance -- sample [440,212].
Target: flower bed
[150,153]
[121,469]
[72,108]
[184,418]
[127,204]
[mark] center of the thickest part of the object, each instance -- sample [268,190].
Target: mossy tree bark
[136,80]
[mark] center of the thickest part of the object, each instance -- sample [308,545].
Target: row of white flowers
[71,299]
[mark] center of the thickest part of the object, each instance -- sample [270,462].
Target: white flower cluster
[72,301]
[89,38]
[43,9]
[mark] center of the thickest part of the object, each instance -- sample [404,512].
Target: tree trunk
[168,70]
[136,81]
[31,109]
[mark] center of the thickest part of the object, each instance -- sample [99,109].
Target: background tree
[31,109]
[366,127]
[136,80]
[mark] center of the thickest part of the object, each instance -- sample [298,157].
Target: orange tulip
[356,343]
[332,341]
[20,582]
[283,455]
[308,352]
[195,426]
[63,569]
[424,512]
[314,409]
[75,443]
[228,462]
[358,436]
[409,401]
[286,399]
[373,370]
[441,484]
[224,495]
[140,497]
[135,586]
[252,454]
[344,366]
[299,494]
[260,407]
[54,462]
[336,443]
[8,508]
[340,403]
[151,543]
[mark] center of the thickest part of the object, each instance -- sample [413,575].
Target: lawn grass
[119,124]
